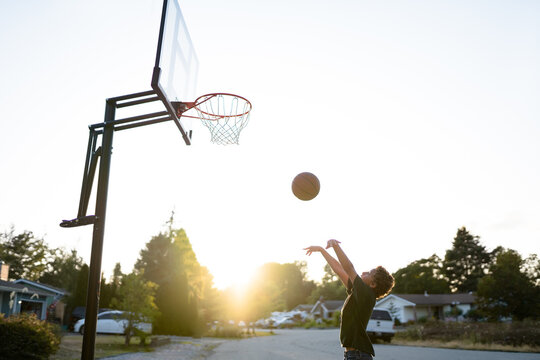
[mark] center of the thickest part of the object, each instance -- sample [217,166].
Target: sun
[236,276]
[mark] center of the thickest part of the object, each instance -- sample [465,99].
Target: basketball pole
[94,275]
[106,129]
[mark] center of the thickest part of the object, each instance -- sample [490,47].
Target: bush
[321,323]
[225,331]
[514,334]
[26,337]
[142,335]
[336,318]
[475,315]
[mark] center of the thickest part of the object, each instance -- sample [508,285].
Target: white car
[381,325]
[112,322]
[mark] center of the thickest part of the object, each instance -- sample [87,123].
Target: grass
[110,345]
[465,345]
[106,345]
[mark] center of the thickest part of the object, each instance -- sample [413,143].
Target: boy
[362,292]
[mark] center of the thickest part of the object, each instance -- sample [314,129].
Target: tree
[466,262]
[62,269]
[289,281]
[78,297]
[532,268]
[109,297]
[25,254]
[256,301]
[420,276]
[169,261]
[508,290]
[138,297]
[331,287]
[394,311]
[274,287]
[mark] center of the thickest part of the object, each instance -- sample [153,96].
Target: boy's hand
[332,243]
[312,249]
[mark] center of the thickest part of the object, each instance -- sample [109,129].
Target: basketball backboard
[175,73]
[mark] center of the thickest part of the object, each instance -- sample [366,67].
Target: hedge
[26,337]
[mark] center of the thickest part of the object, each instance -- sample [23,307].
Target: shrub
[225,331]
[514,334]
[474,315]
[142,335]
[26,337]
[336,318]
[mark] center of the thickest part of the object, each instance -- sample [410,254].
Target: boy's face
[368,278]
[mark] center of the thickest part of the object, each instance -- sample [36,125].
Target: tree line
[168,285]
[506,284]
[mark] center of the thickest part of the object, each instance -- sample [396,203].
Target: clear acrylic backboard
[175,72]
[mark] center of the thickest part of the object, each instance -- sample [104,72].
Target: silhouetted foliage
[466,262]
[509,290]
[24,253]
[420,276]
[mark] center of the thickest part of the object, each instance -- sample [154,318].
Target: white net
[225,115]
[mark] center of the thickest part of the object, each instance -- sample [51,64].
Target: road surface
[300,344]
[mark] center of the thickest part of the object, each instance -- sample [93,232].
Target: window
[381,315]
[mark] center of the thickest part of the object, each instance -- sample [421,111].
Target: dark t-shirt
[355,316]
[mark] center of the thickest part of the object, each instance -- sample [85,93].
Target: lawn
[106,345]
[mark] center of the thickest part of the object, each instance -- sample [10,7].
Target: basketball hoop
[225,115]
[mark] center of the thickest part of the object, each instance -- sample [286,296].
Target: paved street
[324,345]
[300,344]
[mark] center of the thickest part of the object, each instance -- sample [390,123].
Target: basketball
[306,186]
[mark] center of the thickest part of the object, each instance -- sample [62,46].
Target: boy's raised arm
[334,264]
[344,261]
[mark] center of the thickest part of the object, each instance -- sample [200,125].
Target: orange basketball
[306,186]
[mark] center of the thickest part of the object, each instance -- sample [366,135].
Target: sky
[418,117]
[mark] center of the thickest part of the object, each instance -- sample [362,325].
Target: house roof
[304,307]
[438,299]
[11,286]
[44,287]
[333,305]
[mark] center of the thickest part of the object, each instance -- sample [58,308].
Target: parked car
[381,325]
[112,322]
[78,314]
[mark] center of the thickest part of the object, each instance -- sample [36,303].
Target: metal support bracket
[85,220]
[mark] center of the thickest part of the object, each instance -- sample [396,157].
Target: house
[412,307]
[25,296]
[303,307]
[409,307]
[325,309]
[54,305]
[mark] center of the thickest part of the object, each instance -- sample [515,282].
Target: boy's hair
[384,282]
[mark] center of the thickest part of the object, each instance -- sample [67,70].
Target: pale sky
[418,117]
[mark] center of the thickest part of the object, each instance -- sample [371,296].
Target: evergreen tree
[109,297]
[24,253]
[466,262]
[184,286]
[420,276]
[62,269]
